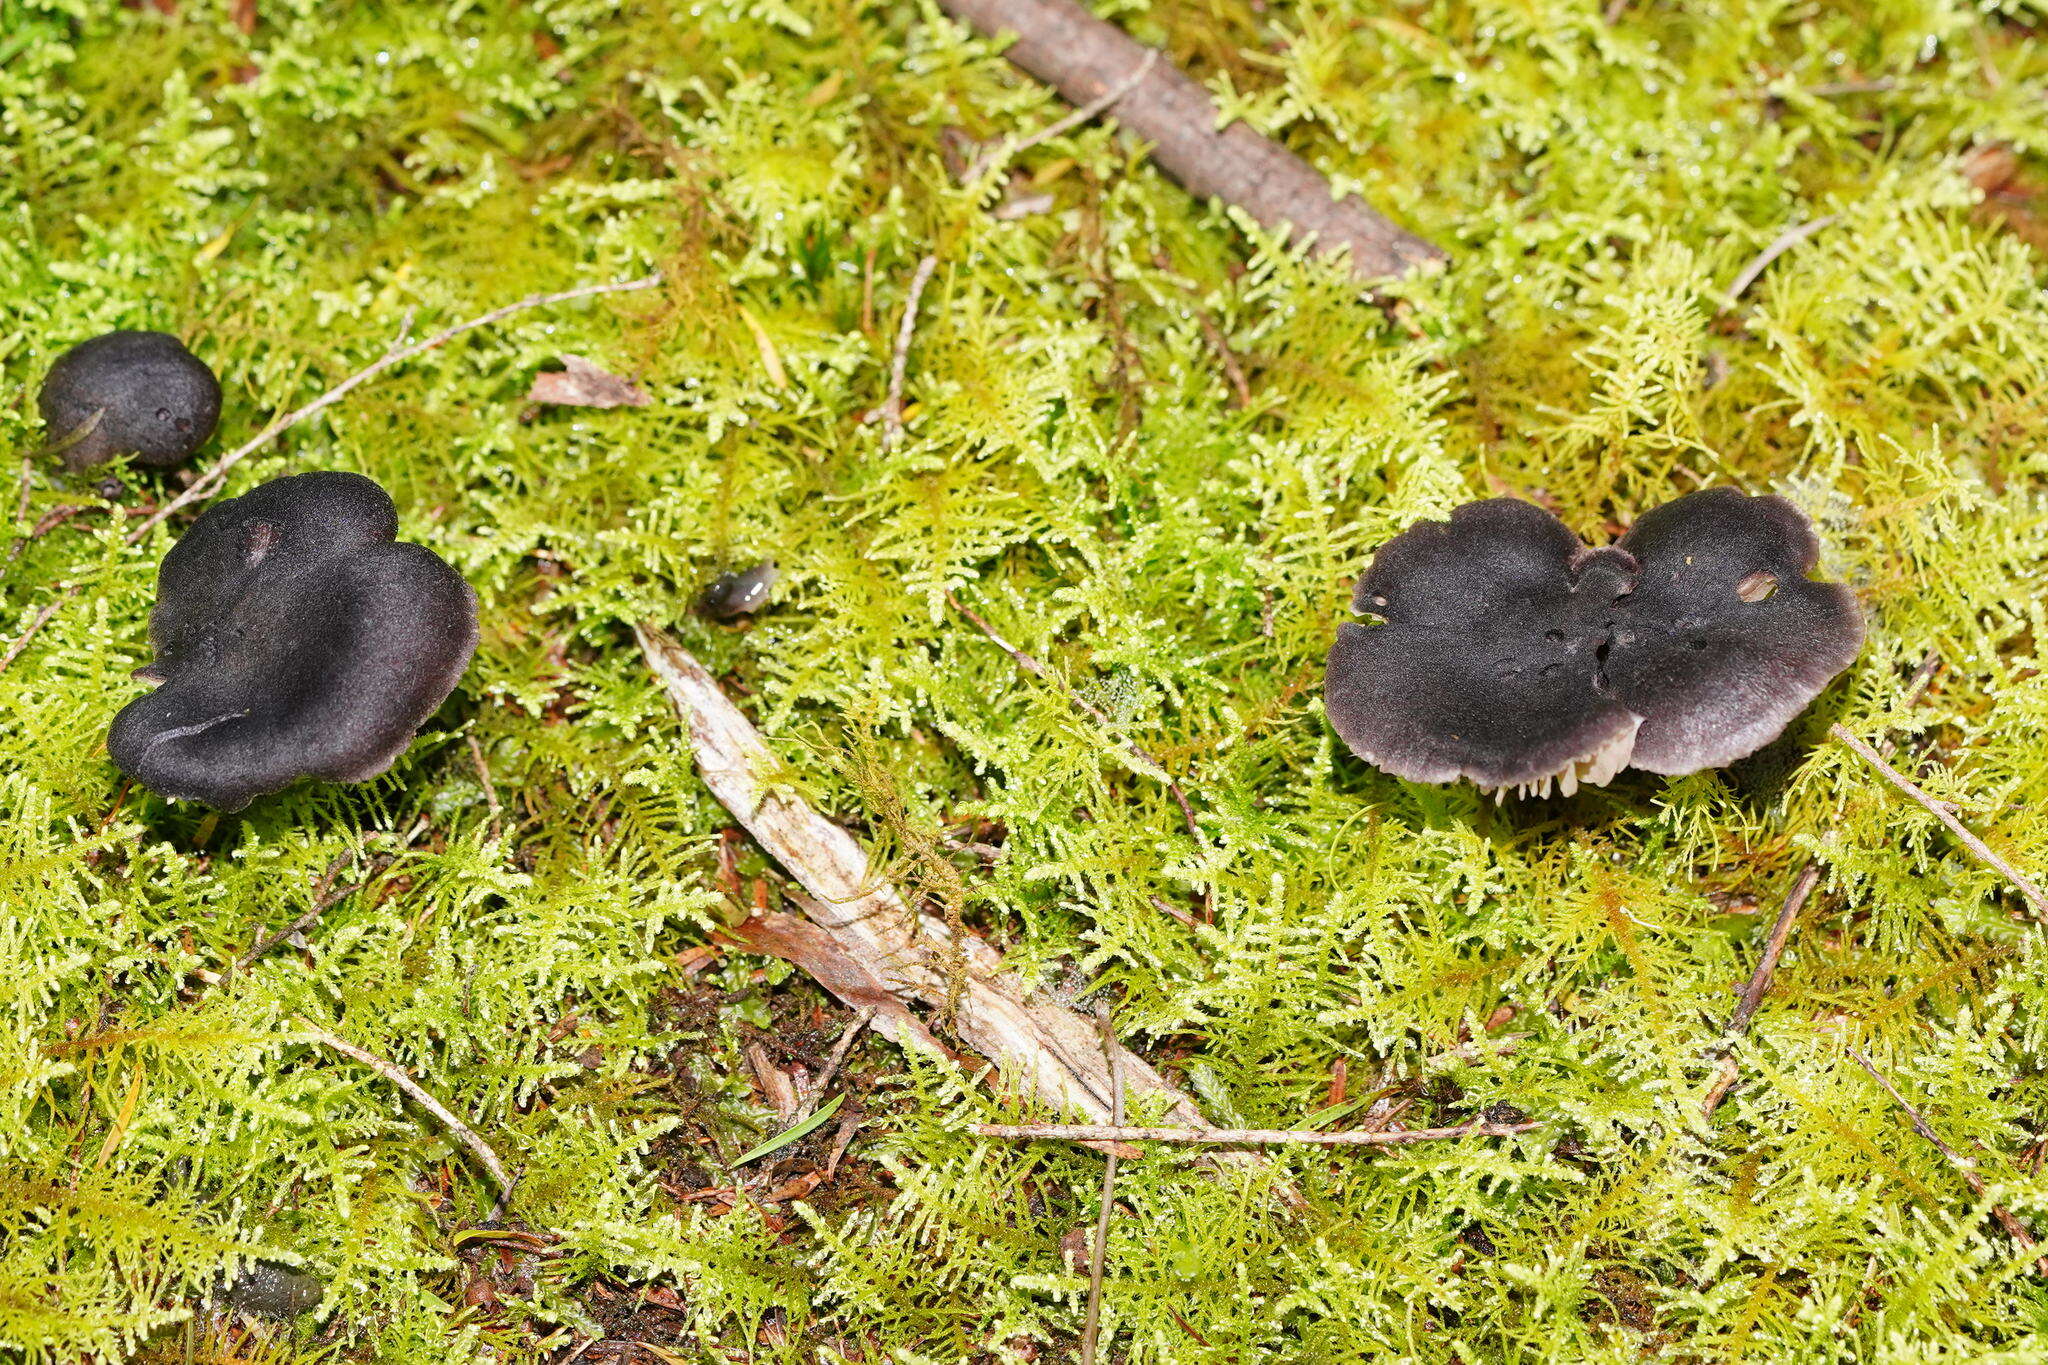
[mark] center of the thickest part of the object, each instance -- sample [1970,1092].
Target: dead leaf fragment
[584,385]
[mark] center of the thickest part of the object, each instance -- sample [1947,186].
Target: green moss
[1080,471]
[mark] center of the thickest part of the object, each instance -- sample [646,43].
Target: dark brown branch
[2014,1228]
[1944,812]
[1098,1258]
[1759,984]
[1084,58]
[1038,670]
[1774,947]
[1240,1137]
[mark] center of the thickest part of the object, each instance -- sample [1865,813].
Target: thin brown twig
[1038,670]
[1240,387]
[1002,148]
[47,523]
[399,1077]
[396,354]
[2014,1228]
[1098,1257]
[483,772]
[1944,812]
[852,1031]
[892,406]
[1759,983]
[1240,1137]
[323,897]
[41,619]
[1779,245]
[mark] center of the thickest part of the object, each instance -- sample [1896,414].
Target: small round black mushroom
[740,593]
[128,393]
[273,1291]
[293,639]
[1510,654]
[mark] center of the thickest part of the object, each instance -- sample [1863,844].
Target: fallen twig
[397,353]
[869,948]
[1240,1137]
[1098,1257]
[2014,1228]
[1038,670]
[36,623]
[1084,58]
[839,1051]
[1783,243]
[483,772]
[323,897]
[398,1076]
[892,406]
[1759,983]
[1945,813]
[1004,147]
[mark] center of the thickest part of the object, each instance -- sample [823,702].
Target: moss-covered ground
[1150,448]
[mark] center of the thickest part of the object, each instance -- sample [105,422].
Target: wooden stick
[323,896]
[838,1057]
[1783,243]
[1759,984]
[483,772]
[892,407]
[2014,1228]
[396,354]
[1098,1258]
[398,1076]
[1774,947]
[1083,58]
[1946,813]
[36,623]
[1239,1137]
[1046,1053]
[1040,671]
[1003,148]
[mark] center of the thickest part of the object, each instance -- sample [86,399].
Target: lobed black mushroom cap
[1512,655]
[1725,639]
[139,393]
[1487,664]
[294,638]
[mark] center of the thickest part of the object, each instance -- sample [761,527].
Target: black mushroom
[739,592]
[294,638]
[1510,654]
[128,393]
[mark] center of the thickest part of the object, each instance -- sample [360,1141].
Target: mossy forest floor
[1150,448]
